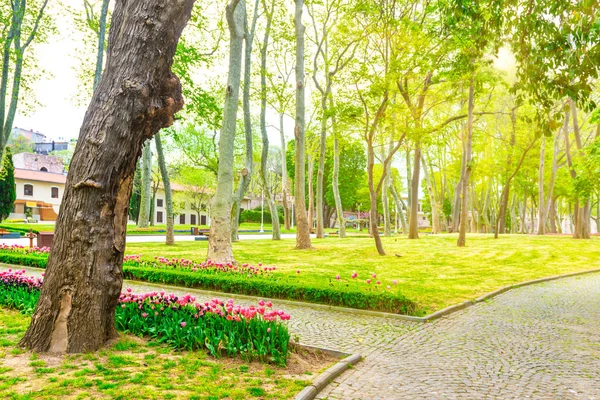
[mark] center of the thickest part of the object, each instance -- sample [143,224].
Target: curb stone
[311,391]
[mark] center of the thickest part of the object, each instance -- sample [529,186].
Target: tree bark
[385,204]
[466,168]
[219,242]
[167,186]
[137,97]
[335,181]
[146,190]
[413,224]
[276,234]
[302,229]
[435,217]
[399,208]
[246,177]
[541,229]
[311,194]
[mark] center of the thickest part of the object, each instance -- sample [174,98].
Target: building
[30,134]
[47,148]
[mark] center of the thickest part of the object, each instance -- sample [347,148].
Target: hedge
[241,284]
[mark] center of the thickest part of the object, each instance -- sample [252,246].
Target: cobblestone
[535,342]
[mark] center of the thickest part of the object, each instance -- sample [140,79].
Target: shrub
[255,216]
[254,332]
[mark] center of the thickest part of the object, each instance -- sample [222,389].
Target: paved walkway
[540,341]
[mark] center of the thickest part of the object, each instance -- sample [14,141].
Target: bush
[217,326]
[255,216]
[261,285]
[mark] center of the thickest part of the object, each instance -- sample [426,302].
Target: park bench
[5,234]
[336,233]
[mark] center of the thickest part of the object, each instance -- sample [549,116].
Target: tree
[219,243]
[170,239]
[146,187]
[137,96]
[20,34]
[302,227]
[7,185]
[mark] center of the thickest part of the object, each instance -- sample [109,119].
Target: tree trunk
[167,186]
[373,217]
[466,168]
[219,242]
[335,182]
[541,199]
[284,177]
[276,235]
[385,204]
[413,227]
[311,194]
[137,97]
[321,169]
[435,218]
[302,229]
[549,202]
[101,41]
[146,190]
[552,215]
[399,208]
[246,175]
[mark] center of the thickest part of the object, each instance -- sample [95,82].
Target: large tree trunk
[276,235]
[137,97]
[336,183]
[146,190]
[413,227]
[246,175]
[302,229]
[466,169]
[219,242]
[167,186]
[284,177]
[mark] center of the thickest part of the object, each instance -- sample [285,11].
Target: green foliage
[7,185]
[255,216]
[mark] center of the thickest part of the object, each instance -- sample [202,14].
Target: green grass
[133,368]
[432,271]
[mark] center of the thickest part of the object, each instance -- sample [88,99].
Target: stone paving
[540,342]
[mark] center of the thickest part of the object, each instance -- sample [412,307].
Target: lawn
[140,369]
[431,271]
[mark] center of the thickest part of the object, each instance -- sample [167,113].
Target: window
[193,219]
[203,220]
[182,219]
[44,169]
[55,193]
[28,190]
[159,217]
[159,202]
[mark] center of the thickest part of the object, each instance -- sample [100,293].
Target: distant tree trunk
[137,97]
[13,38]
[408,183]
[385,204]
[101,41]
[541,199]
[549,202]
[219,242]
[246,176]
[413,227]
[435,217]
[302,229]
[581,220]
[167,186]
[311,194]
[399,209]
[336,183]
[276,234]
[146,190]
[466,168]
[552,215]
[284,177]
[373,217]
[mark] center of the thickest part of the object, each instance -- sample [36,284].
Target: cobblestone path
[540,342]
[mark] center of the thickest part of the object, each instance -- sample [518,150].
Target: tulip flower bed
[261,281]
[254,332]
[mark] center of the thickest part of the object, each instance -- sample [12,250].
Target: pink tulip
[368,281]
[183,324]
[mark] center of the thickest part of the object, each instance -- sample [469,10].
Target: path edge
[325,378]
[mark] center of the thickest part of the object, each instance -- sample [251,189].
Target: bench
[336,233]
[4,234]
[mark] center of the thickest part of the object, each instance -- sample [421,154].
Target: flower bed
[259,280]
[254,332]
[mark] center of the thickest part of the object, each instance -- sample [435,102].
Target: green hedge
[240,284]
[255,216]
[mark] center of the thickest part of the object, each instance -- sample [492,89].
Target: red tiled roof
[39,176]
